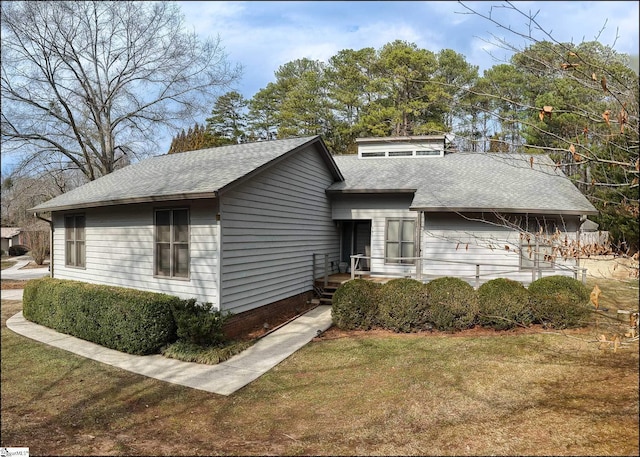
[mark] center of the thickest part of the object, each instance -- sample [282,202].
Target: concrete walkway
[11,294]
[224,378]
[18,271]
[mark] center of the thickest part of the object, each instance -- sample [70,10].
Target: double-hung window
[400,241]
[74,241]
[172,243]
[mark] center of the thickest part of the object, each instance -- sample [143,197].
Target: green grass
[369,393]
[7,263]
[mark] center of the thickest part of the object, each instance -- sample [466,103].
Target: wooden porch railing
[321,267]
[417,262]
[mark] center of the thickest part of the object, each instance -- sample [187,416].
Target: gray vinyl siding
[377,208]
[271,227]
[120,249]
[453,246]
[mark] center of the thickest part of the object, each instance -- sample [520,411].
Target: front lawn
[346,393]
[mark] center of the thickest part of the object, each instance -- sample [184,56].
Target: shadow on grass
[59,402]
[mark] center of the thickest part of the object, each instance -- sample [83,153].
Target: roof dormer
[401,146]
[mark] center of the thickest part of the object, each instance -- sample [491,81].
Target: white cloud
[377,34]
[264,35]
[207,15]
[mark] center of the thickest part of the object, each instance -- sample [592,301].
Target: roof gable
[194,174]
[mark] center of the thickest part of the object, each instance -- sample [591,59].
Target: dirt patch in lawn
[10,284]
[610,267]
[477,331]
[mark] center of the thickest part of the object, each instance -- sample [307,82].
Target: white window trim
[79,263]
[400,241]
[171,274]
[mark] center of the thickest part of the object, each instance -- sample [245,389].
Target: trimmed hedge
[453,304]
[128,320]
[403,305]
[560,302]
[355,305]
[503,304]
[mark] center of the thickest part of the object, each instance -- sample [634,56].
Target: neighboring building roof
[196,174]
[10,232]
[467,182]
[589,226]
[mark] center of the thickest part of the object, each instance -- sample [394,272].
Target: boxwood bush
[355,305]
[403,305]
[453,304]
[199,323]
[504,304]
[560,302]
[128,320]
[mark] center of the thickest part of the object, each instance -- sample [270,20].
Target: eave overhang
[126,201]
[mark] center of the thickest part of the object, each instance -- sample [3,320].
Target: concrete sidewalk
[18,271]
[224,378]
[11,294]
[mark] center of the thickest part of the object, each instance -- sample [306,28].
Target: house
[11,236]
[245,226]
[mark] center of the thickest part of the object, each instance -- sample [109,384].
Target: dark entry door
[356,239]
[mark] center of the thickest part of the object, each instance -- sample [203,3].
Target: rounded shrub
[403,305]
[503,304]
[453,304]
[560,302]
[199,323]
[355,305]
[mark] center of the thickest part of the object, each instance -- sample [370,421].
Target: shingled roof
[468,182]
[463,182]
[195,174]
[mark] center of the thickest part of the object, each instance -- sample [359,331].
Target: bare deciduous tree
[580,106]
[37,238]
[88,84]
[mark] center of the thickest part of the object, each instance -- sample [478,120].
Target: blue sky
[262,35]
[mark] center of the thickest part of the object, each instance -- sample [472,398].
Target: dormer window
[400,153]
[373,154]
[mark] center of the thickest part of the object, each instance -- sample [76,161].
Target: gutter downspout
[50,222]
[419,262]
[580,246]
